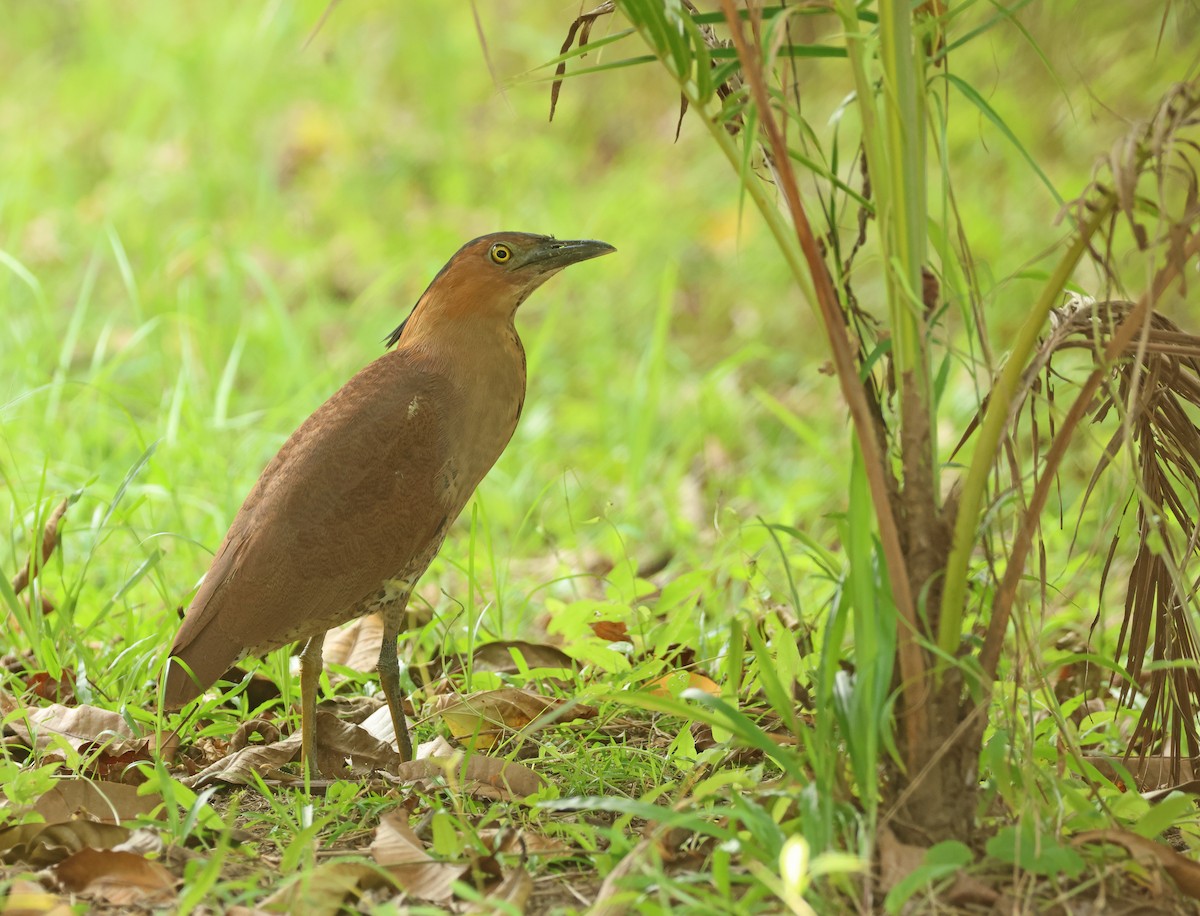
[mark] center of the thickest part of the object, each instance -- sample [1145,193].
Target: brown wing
[352,499]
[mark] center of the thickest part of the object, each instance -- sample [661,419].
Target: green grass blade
[968,91]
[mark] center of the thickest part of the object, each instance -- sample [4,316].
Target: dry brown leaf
[487,777]
[168,746]
[497,657]
[379,726]
[1183,871]
[107,766]
[897,860]
[513,892]
[438,747]
[356,645]
[433,881]
[396,843]
[239,768]
[338,740]
[524,842]
[46,844]
[481,718]
[266,730]
[327,889]
[108,802]
[28,898]
[121,878]
[41,685]
[398,849]
[78,726]
[612,630]
[356,709]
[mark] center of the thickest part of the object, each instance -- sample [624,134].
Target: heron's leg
[394,622]
[310,680]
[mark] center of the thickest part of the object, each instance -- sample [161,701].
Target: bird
[348,515]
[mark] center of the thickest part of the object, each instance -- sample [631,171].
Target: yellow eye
[501,253]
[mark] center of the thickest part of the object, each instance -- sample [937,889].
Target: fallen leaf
[120,878]
[143,841]
[524,843]
[326,889]
[897,860]
[396,843]
[356,645]
[107,802]
[481,718]
[612,630]
[612,899]
[44,687]
[356,709]
[437,747]
[46,844]
[476,775]
[498,657]
[1183,871]
[78,726]
[338,740]
[239,768]
[267,730]
[398,850]
[168,746]
[107,766]
[905,870]
[379,725]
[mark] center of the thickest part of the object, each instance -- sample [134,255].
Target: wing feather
[354,497]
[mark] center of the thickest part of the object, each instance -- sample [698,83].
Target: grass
[206,227]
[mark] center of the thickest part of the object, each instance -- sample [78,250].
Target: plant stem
[912,663]
[995,421]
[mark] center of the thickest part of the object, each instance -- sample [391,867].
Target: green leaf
[940,862]
[1175,808]
[578,52]
[1039,854]
[990,113]
[600,68]
[810,51]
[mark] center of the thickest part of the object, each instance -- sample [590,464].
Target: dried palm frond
[1153,394]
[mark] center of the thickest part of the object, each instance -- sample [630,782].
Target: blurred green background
[206,226]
